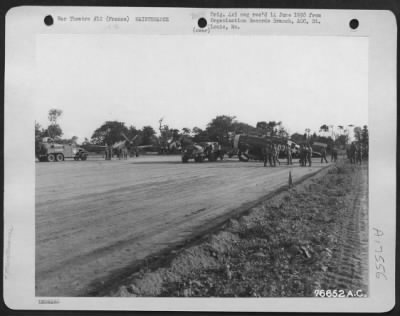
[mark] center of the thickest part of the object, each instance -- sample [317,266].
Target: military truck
[212,150]
[50,151]
[194,151]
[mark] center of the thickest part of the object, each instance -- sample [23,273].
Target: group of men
[305,155]
[271,155]
[122,153]
[354,153]
[108,153]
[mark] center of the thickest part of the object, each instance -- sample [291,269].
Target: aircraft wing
[144,146]
[119,144]
[91,146]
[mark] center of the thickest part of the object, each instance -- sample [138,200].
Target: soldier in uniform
[333,154]
[265,155]
[110,152]
[358,154]
[276,154]
[323,155]
[353,150]
[289,155]
[269,154]
[272,155]
[309,155]
[303,155]
[106,152]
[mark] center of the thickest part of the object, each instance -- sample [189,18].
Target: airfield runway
[96,218]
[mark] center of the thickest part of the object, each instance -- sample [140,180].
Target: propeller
[127,139]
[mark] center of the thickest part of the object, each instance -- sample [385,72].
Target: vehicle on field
[201,151]
[250,147]
[193,151]
[212,150]
[50,151]
[295,149]
[316,147]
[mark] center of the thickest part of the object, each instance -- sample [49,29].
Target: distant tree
[313,136]
[39,134]
[109,132]
[365,141]
[307,130]
[357,133]
[341,140]
[298,138]
[243,128]
[175,134]
[220,126]
[273,127]
[186,131]
[365,136]
[263,125]
[324,128]
[54,130]
[282,132]
[38,130]
[196,130]
[148,135]
[54,114]
[199,134]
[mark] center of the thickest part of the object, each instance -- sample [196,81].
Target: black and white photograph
[208,163]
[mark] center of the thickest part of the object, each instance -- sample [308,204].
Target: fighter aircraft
[250,147]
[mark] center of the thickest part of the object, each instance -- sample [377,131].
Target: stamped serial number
[339,293]
[379,255]
[49,301]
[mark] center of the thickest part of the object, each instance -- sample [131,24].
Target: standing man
[302,155]
[265,155]
[323,155]
[358,154]
[333,154]
[309,155]
[289,154]
[276,154]
[353,151]
[269,154]
[272,155]
[106,151]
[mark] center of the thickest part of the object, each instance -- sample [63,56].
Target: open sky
[302,81]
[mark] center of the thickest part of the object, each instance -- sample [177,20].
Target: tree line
[220,129]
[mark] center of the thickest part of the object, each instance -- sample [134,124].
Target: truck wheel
[51,158]
[212,157]
[83,157]
[60,157]
[242,157]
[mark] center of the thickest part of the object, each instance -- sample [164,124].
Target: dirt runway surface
[96,218]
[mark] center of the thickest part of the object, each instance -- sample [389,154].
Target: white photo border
[23,24]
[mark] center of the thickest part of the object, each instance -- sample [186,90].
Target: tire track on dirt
[348,268]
